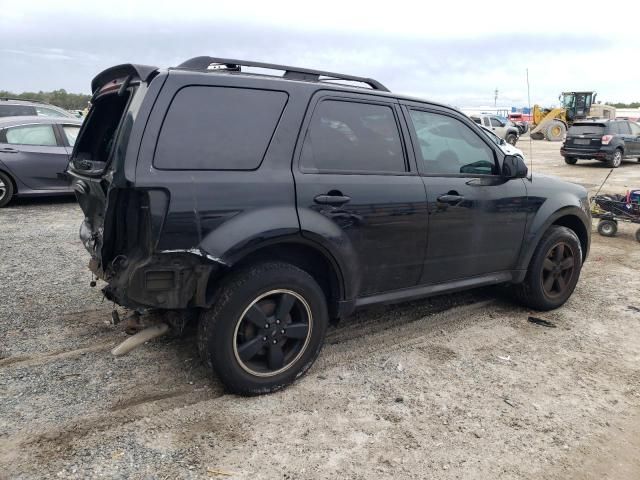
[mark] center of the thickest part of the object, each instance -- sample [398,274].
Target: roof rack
[205,63]
[23,100]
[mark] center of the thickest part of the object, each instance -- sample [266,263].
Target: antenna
[530,139]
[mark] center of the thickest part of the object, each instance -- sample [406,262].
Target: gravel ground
[458,386]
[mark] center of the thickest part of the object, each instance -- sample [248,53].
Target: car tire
[554,270]
[607,228]
[570,160]
[6,189]
[638,235]
[616,160]
[511,139]
[555,131]
[250,357]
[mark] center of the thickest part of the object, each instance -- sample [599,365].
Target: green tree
[60,98]
[625,105]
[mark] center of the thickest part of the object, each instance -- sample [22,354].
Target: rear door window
[635,128]
[49,112]
[16,110]
[347,136]
[218,128]
[40,135]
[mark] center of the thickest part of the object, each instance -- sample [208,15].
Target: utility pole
[495,98]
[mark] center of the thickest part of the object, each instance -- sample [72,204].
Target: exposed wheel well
[304,257]
[574,223]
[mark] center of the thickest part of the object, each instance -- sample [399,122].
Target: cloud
[453,60]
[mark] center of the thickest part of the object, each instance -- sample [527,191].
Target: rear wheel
[607,228]
[554,270]
[511,139]
[616,160]
[570,160]
[265,329]
[555,131]
[6,189]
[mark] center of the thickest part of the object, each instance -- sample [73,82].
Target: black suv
[272,204]
[609,141]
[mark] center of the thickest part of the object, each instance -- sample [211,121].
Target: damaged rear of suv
[269,204]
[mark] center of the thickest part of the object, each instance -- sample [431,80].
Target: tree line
[625,105]
[59,98]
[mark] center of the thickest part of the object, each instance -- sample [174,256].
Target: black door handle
[331,199]
[450,198]
[9,150]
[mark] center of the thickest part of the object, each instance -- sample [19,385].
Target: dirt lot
[459,386]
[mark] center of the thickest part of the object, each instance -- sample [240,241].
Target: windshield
[586,129]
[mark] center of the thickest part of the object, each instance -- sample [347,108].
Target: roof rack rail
[32,100]
[205,63]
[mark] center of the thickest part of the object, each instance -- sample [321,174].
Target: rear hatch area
[114,224]
[585,136]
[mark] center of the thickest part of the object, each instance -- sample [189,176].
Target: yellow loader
[552,123]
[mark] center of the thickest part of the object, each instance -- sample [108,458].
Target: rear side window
[218,128]
[635,128]
[71,132]
[16,110]
[352,137]
[586,129]
[41,135]
[623,128]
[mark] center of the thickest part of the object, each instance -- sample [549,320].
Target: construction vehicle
[552,123]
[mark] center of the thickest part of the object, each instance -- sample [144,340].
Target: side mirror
[513,166]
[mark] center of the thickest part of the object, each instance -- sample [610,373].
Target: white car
[504,146]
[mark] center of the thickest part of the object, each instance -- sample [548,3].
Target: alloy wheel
[272,333]
[617,158]
[3,189]
[557,270]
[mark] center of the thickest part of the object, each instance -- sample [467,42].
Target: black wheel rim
[557,270]
[272,333]
[607,228]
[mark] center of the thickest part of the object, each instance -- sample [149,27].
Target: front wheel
[554,270]
[511,139]
[265,329]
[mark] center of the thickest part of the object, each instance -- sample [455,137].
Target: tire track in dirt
[33,360]
[58,441]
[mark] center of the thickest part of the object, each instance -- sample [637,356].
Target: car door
[476,217]
[498,126]
[635,138]
[355,182]
[35,154]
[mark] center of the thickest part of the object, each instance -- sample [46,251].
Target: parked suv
[271,204]
[610,141]
[15,107]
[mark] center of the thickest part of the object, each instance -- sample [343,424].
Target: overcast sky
[457,52]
